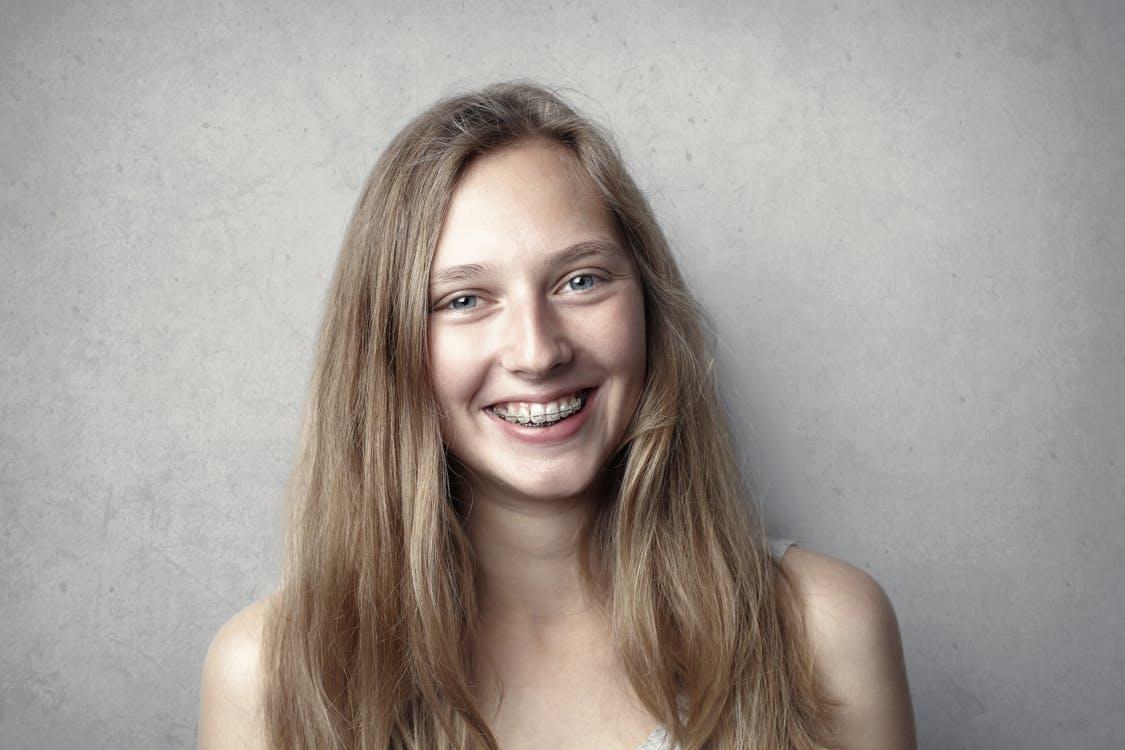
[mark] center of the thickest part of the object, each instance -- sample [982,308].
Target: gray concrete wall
[906,220]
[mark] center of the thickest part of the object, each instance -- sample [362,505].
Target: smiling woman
[516,519]
[532,336]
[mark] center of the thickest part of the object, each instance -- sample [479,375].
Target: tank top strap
[779,546]
[658,740]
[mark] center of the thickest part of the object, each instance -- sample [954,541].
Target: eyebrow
[572,254]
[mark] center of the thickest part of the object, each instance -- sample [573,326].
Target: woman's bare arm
[230,694]
[857,650]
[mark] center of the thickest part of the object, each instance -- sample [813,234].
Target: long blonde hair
[367,644]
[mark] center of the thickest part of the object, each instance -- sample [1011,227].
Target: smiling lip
[557,433]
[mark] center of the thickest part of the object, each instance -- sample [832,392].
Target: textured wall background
[906,220]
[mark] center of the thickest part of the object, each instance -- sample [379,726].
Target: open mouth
[541,416]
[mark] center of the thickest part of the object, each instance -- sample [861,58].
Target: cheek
[631,331]
[621,336]
[451,365]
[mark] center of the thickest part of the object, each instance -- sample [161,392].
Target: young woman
[517,521]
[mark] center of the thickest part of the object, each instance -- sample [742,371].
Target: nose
[535,342]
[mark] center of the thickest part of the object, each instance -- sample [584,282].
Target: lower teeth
[545,422]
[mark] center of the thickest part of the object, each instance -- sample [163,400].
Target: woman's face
[536,312]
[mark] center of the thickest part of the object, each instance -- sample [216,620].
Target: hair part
[367,643]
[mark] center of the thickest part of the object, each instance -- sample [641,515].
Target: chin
[547,490]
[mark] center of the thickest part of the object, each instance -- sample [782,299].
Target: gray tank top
[659,739]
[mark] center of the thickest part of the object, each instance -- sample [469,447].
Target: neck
[526,551]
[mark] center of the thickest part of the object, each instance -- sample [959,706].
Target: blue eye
[590,279]
[454,306]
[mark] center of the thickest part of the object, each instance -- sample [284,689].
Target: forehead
[520,204]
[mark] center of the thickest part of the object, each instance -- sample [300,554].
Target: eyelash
[446,307]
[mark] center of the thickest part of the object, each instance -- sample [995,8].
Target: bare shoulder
[857,650]
[842,601]
[231,687]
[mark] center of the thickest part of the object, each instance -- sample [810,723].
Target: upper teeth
[529,413]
